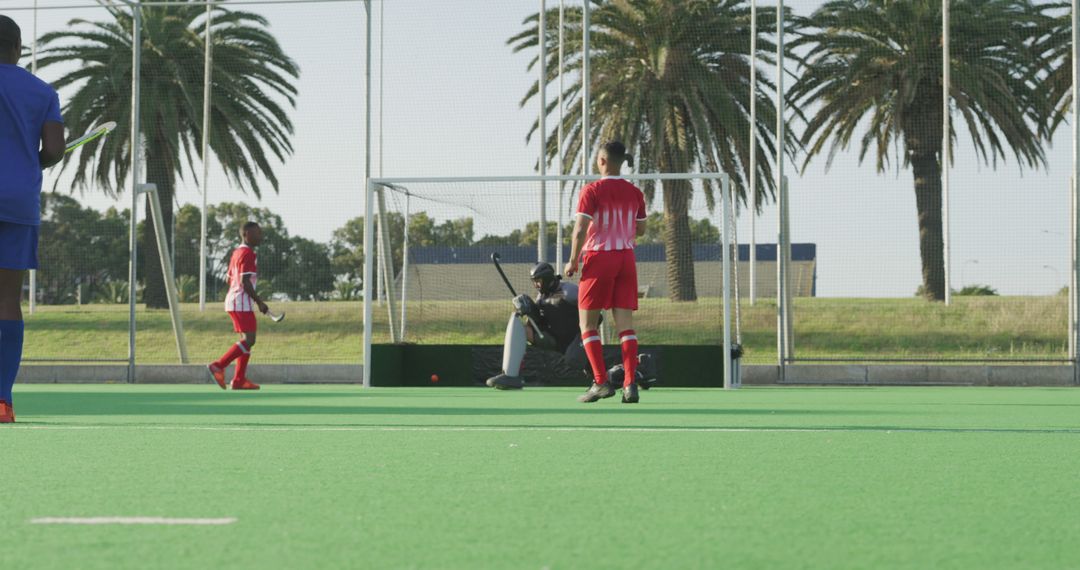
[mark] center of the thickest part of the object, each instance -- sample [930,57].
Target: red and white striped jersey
[242,263]
[615,206]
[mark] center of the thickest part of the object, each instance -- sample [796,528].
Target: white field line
[131,520]
[583,429]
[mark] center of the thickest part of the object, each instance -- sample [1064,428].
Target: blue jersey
[26,104]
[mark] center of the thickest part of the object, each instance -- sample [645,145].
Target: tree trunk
[923,134]
[159,171]
[927,172]
[677,241]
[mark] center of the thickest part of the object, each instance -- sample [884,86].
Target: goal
[429,280]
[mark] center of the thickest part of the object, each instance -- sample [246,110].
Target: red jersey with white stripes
[242,263]
[614,206]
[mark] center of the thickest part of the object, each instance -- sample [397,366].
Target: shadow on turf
[215,403]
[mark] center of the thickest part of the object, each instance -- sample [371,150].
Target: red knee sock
[595,351]
[628,339]
[241,367]
[235,351]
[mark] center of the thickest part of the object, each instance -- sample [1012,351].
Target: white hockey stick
[96,133]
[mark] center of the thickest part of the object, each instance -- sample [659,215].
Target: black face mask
[549,286]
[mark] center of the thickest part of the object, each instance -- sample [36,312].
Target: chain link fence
[897,255]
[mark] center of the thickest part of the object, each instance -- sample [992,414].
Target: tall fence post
[586,79]
[541,238]
[559,145]
[725,269]
[781,277]
[33,69]
[369,229]
[369,263]
[1074,196]
[753,152]
[946,82]
[136,167]
[207,73]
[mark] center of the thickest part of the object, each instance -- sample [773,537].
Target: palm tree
[252,79]
[876,65]
[671,79]
[1056,49]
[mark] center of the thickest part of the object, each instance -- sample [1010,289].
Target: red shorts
[243,321]
[608,280]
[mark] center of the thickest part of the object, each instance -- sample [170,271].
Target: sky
[450,93]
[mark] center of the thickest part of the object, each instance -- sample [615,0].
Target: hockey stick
[277,318]
[98,132]
[495,260]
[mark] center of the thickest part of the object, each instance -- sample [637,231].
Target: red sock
[241,367]
[234,352]
[628,339]
[595,351]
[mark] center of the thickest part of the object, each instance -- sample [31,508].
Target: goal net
[429,277]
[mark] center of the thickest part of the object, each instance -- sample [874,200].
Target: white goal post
[375,207]
[167,272]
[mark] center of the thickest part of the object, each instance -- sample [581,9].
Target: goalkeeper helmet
[543,275]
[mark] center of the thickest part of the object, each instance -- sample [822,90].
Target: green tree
[513,238]
[347,245]
[274,253]
[701,231]
[454,233]
[528,236]
[671,79]
[311,275]
[1056,50]
[80,247]
[251,79]
[532,234]
[188,229]
[186,242]
[875,66]
[422,230]
[347,251]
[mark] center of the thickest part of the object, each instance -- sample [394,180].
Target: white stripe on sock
[592,339]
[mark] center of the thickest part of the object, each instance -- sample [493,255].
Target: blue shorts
[18,246]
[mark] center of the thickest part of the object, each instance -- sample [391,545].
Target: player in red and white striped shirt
[240,303]
[610,216]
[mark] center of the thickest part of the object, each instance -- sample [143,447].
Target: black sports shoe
[629,394]
[491,381]
[596,392]
[504,382]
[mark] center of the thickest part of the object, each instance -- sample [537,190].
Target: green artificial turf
[341,477]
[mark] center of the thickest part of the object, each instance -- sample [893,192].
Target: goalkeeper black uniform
[550,322]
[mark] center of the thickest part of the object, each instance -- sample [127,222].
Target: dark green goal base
[691,366]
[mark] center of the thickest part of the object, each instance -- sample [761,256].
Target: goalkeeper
[555,313]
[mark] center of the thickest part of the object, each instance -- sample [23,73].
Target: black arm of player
[52,144]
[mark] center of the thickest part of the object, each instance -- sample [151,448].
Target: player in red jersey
[610,215]
[240,303]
